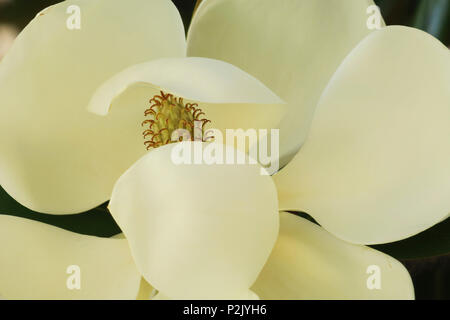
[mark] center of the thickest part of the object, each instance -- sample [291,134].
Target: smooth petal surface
[375,168]
[292,46]
[201,79]
[310,263]
[230,98]
[197,231]
[35,259]
[55,155]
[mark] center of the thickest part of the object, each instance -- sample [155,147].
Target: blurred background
[426,255]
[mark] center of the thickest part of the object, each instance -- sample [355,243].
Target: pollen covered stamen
[168,113]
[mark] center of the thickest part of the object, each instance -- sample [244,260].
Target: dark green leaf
[97,222]
[304,216]
[430,243]
[433,16]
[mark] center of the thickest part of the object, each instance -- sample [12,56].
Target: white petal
[146,291]
[309,263]
[292,46]
[230,98]
[376,168]
[55,156]
[36,257]
[197,231]
[200,79]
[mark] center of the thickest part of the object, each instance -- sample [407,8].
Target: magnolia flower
[369,172]
[58,154]
[374,168]
[195,232]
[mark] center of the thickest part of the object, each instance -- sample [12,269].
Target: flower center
[168,114]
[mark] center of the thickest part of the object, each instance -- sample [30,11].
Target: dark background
[426,255]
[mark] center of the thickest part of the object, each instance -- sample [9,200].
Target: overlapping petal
[229,97]
[375,168]
[55,156]
[310,263]
[205,231]
[197,231]
[292,46]
[35,259]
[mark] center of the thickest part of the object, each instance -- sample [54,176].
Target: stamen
[168,113]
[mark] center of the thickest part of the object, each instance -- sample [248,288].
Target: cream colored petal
[309,263]
[118,236]
[200,79]
[35,259]
[249,296]
[292,46]
[146,291]
[55,156]
[230,98]
[376,168]
[197,231]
